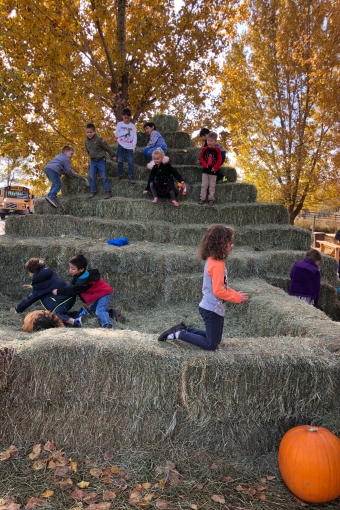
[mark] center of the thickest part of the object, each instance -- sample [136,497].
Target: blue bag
[121,241]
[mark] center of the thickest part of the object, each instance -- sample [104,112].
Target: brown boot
[108,194]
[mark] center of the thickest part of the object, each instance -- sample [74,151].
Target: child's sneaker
[175,203]
[77,323]
[82,313]
[116,314]
[131,179]
[211,203]
[53,203]
[201,202]
[107,326]
[155,200]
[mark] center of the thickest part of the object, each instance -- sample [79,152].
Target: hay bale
[187,156]
[133,209]
[134,392]
[6,360]
[174,140]
[229,172]
[166,123]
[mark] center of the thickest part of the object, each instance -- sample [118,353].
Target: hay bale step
[192,174]
[237,214]
[174,140]
[226,192]
[258,237]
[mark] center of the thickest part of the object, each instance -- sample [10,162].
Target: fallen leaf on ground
[228,479]
[39,464]
[49,446]
[218,498]
[47,494]
[83,484]
[73,466]
[36,450]
[109,495]
[33,503]
[90,498]
[162,504]
[96,472]
[65,484]
[99,506]
[77,494]
[8,503]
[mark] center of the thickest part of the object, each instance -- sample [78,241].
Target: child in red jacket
[211,160]
[92,290]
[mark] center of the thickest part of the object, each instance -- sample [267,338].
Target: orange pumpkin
[309,462]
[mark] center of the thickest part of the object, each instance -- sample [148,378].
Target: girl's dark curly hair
[46,320]
[215,242]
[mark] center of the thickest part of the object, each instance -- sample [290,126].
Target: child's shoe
[77,323]
[201,202]
[175,203]
[131,179]
[116,314]
[211,203]
[82,313]
[107,326]
[155,200]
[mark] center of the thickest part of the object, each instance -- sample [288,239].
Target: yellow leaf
[74,466]
[47,494]
[39,464]
[146,485]
[115,470]
[83,484]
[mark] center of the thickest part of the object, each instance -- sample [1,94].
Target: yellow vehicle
[16,199]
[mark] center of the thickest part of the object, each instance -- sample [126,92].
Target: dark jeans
[62,309]
[98,167]
[54,177]
[211,337]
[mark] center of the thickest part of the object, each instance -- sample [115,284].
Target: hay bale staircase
[157,277]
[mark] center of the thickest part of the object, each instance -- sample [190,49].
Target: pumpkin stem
[313,429]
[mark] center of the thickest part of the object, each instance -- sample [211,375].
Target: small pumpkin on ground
[309,462]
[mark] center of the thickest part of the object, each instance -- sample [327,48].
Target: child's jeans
[54,177]
[98,166]
[211,337]
[149,150]
[100,308]
[63,309]
[129,158]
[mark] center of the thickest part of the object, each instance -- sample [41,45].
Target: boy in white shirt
[127,140]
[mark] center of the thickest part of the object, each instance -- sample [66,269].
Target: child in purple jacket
[305,278]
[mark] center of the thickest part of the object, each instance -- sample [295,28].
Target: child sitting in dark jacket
[161,179]
[92,290]
[44,280]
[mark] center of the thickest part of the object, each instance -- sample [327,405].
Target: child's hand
[114,158]
[145,192]
[12,309]
[55,292]
[26,286]
[133,151]
[244,297]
